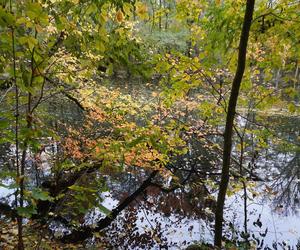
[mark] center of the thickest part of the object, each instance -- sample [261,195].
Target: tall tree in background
[230,121]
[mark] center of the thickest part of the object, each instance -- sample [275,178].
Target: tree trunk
[19,218]
[167,9]
[230,120]
[159,17]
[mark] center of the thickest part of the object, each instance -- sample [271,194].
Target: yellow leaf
[154,94]
[38,28]
[157,239]
[141,10]
[119,16]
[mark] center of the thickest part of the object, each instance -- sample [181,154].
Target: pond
[273,208]
[161,220]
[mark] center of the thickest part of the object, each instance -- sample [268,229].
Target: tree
[117,88]
[230,119]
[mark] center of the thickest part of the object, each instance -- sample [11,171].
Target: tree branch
[85,232]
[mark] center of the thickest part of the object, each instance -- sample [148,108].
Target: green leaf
[100,46]
[29,40]
[26,211]
[34,10]
[32,42]
[82,189]
[39,194]
[4,124]
[104,209]
[136,141]
[6,18]
[292,108]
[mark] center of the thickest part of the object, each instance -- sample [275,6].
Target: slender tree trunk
[246,236]
[159,18]
[167,9]
[277,78]
[230,120]
[153,15]
[29,126]
[19,218]
[296,76]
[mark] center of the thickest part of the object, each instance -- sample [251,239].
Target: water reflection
[160,219]
[283,162]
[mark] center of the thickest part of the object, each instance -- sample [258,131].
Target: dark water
[175,220]
[159,220]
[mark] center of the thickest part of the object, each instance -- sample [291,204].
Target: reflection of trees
[192,170]
[285,159]
[185,192]
[286,185]
[6,157]
[184,196]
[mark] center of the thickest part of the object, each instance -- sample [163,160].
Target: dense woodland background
[159,106]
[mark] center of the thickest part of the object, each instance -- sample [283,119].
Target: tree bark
[230,120]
